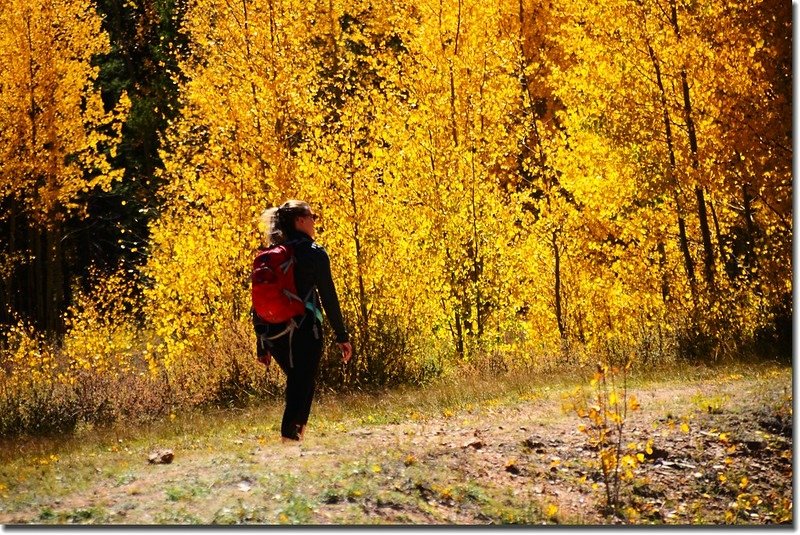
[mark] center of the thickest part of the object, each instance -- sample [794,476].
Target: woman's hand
[347,351]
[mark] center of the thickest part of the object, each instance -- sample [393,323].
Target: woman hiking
[296,344]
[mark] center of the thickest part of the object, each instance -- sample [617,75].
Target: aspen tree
[465,86]
[660,95]
[55,142]
[226,159]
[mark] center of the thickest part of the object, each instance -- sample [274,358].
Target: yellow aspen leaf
[685,427]
[631,513]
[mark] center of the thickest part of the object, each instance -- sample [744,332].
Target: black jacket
[313,269]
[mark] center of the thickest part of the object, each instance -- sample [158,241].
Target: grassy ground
[471,450]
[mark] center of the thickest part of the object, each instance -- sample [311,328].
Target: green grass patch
[181,516]
[297,510]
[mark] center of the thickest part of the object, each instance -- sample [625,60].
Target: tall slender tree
[56,143]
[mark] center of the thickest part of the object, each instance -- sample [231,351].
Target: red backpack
[275,298]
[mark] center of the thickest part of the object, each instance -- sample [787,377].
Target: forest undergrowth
[713,445]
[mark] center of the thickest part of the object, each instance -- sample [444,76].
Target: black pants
[301,372]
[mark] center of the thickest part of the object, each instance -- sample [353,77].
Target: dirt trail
[721,452]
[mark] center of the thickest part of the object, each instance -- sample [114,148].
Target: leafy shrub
[605,414]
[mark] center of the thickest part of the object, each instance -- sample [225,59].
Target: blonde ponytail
[275,223]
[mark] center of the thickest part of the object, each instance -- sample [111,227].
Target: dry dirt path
[721,453]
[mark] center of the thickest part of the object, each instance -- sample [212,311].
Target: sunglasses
[315,217]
